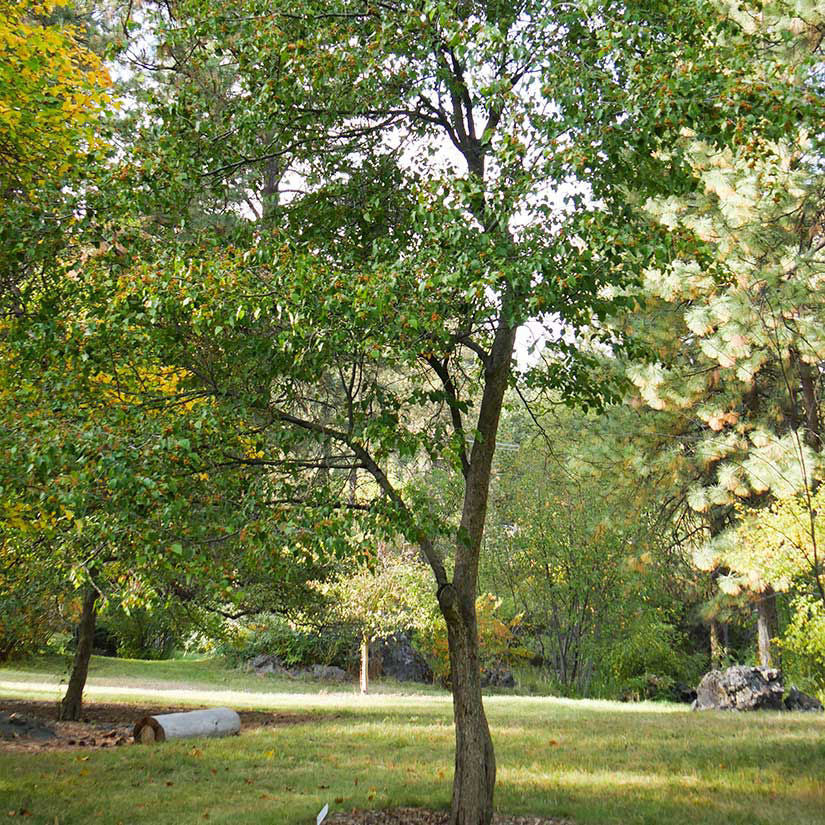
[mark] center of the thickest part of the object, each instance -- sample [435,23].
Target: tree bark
[716,646]
[365,664]
[475,764]
[72,703]
[813,429]
[766,625]
[187,725]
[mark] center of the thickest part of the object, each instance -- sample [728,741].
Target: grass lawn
[595,762]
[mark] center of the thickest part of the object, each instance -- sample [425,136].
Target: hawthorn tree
[334,218]
[388,174]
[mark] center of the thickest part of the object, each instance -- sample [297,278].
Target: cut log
[193,723]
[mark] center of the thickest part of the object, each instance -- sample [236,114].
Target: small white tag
[322,815]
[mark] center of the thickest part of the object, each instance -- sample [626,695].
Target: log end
[148,730]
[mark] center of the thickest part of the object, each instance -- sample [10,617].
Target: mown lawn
[595,762]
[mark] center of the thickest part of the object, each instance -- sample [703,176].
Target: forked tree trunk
[72,703]
[475,764]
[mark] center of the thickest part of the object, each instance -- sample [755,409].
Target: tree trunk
[72,702]
[365,664]
[766,625]
[813,427]
[716,647]
[475,764]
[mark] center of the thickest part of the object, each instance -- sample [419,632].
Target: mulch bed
[421,816]
[33,726]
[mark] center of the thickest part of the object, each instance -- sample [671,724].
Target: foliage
[296,645]
[32,608]
[779,545]
[498,640]
[729,320]
[143,633]
[392,594]
[651,662]
[578,553]
[803,644]
[52,90]
[53,94]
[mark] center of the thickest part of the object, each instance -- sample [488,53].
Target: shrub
[498,644]
[803,645]
[649,662]
[294,645]
[140,633]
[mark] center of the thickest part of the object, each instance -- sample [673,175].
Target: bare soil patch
[422,816]
[103,725]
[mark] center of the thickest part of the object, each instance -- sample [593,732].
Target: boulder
[18,726]
[328,673]
[497,677]
[265,663]
[740,688]
[799,701]
[400,660]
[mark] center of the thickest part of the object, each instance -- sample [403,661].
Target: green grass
[596,762]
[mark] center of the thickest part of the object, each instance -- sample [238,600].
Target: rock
[17,726]
[266,663]
[799,701]
[497,677]
[328,673]
[402,661]
[741,688]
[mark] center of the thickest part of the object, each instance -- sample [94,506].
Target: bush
[140,633]
[498,644]
[25,625]
[650,662]
[295,646]
[803,645]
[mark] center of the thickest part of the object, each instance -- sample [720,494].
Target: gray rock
[497,677]
[741,688]
[799,701]
[266,663]
[17,726]
[400,660]
[328,673]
